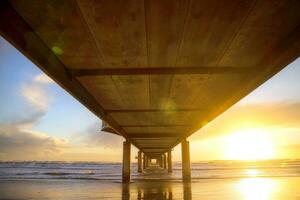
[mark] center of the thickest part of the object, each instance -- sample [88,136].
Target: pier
[155,72]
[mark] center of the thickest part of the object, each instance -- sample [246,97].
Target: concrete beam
[186,168]
[140,168]
[156,147]
[169,110]
[164,70]
[157,125]
[170,161]
[126,162]
[153,135]
[105,127]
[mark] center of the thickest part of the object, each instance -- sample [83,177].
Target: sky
[41,121]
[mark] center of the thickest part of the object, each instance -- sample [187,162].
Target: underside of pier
[155,71]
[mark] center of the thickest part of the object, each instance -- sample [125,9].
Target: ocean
[112,171]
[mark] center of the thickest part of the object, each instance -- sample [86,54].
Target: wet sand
[246,188]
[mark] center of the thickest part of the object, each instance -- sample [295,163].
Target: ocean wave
[141,178]
[112,171]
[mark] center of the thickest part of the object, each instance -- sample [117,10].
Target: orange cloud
[18,144]
[276,115]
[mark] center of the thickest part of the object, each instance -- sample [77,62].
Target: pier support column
[170,161]
[126,162]
[140,169]
[160,161]
[147,162]
[165,161]
[186,168]
[144,161]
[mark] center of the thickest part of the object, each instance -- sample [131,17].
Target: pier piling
[126,162]
[170,161]
[185,152]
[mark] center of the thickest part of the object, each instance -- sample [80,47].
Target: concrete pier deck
[155,71]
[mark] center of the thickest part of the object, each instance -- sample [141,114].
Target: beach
[247,188]
[276,179]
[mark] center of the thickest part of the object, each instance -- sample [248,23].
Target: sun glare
[257,188]
[248,145]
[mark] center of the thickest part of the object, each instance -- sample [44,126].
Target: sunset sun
[251,144]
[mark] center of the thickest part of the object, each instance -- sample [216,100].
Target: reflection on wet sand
[255,188]
[187,191]
[156,190]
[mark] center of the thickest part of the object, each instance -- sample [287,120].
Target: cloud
[35,92]
[290,151]
[295,147]
[36,96]
[277,115]
[93,136]
[25,118]
[43,78]
[19,144]
[18,139]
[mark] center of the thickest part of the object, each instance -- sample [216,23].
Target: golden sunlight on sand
[257,188]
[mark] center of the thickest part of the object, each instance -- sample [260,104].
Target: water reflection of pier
[156,183]
[155,190]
